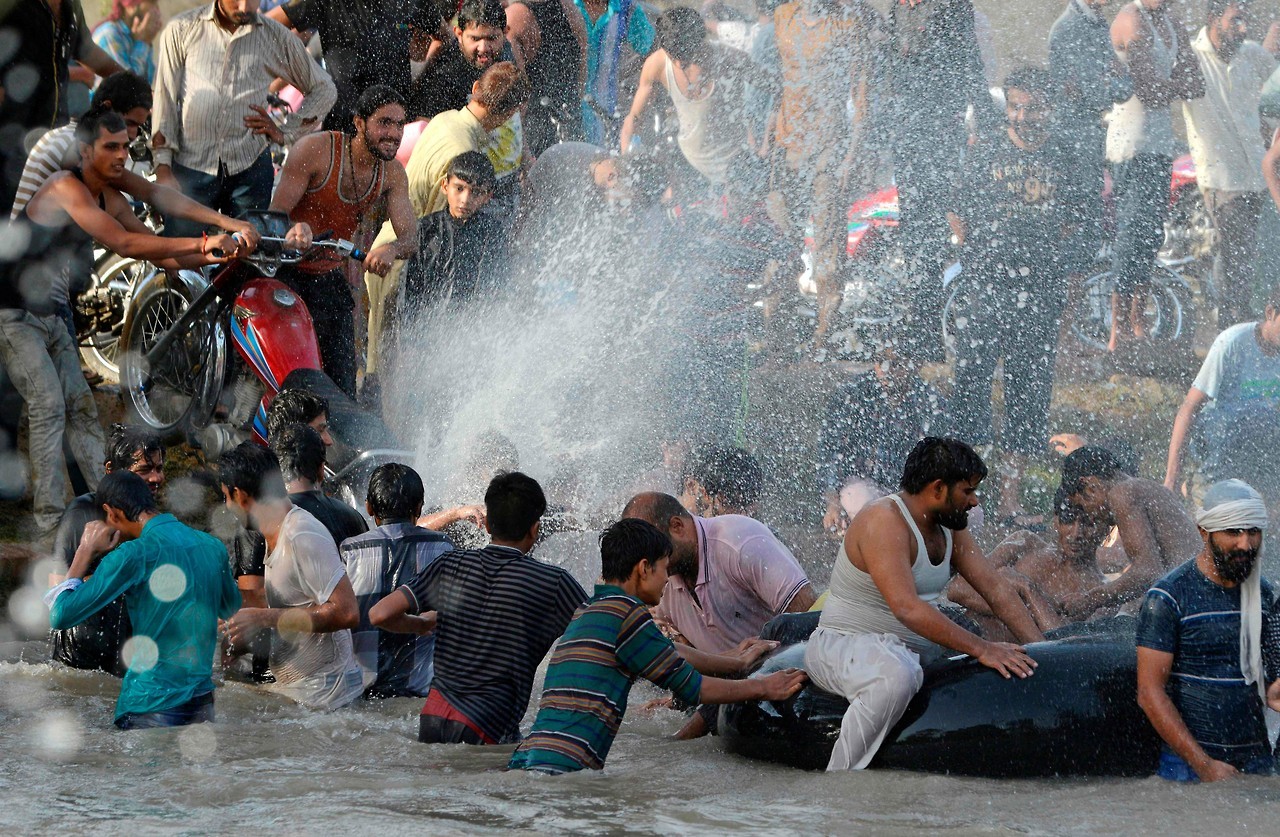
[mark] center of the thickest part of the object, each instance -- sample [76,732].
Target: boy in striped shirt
[611,641]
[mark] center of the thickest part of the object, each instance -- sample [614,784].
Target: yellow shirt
[447,135]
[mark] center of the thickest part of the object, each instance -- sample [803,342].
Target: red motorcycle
[178,376]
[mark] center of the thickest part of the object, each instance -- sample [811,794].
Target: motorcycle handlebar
[344,247]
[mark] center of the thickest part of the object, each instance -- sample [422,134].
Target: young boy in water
[461,250]
[611,641]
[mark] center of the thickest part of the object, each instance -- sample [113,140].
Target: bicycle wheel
[1167,309]
[100,312]
[179,390]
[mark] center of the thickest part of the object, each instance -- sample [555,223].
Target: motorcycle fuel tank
[272,330]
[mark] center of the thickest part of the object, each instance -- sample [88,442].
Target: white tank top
[711,133]
[1131,128]
[855,604]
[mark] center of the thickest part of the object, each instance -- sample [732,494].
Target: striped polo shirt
[1197,621]
[610,642]
[499,613]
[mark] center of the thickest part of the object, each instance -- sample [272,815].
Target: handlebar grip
[358,254]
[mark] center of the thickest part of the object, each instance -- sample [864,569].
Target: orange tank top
[325,207]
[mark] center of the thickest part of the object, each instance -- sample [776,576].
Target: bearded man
[1201,677]
[880,620]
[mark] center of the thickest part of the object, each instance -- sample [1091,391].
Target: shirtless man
[879,621]
[1041,572]
[1156,531]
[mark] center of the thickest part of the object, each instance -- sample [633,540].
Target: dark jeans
[1017,321]
[230,194]
[328,298]
[1235,225]
[1142,204]
[198,710]
[432,729]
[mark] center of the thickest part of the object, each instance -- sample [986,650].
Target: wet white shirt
[316,670]
[1223,127]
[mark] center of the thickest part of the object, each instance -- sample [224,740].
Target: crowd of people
[533,128]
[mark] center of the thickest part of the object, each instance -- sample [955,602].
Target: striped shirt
[499,612]
[207,78]
[54,151]
[379,561]
[1197,621]
[610,642]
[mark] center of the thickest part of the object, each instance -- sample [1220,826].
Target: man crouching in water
[879,622]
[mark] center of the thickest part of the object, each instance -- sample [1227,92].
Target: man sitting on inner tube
[1203,634]
[879,620]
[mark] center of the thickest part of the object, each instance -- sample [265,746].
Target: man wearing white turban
[1203,665]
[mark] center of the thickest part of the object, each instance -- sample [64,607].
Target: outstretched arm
[654,65]
[994,588]
[338,612]
[1182,425]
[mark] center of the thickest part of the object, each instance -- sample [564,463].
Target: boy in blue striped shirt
[611,641]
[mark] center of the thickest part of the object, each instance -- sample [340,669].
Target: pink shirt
[745,578]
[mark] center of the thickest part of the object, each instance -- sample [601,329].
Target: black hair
[483,12]
[513,503]
[474,168]
[1089,461]
[254,470]
[92,125]
[940,458]
[628,542]
[1215,9]
[1125,454]
[121,92]
[126,492]
[375,97]
[300,451]
[681,33]
[126,441]
[395,492]
[731,474]
[294,406]
[1065,508]
[1033,80]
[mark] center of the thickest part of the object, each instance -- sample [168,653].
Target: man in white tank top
[879,619]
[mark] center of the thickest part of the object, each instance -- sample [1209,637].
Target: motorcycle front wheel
[176,394]
[100,312]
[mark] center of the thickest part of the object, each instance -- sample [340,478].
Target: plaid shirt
[378,562]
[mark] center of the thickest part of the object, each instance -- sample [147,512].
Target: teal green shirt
[176,584]
[611,641]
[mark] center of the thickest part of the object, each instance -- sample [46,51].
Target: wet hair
[732,474]
[294,406]
[940,458]
[513,503]
[656,509]
[375,97]
[681,33]
[1088,461]
[300,451]
[1215,9]
[93,125]
[126,492]
[121,92]
[254,470]
[474,168]
[126,442]
[628,542]
[502,88]
[395,492]
[1033,80]
[482,12]
[1065,508]
[1126,456]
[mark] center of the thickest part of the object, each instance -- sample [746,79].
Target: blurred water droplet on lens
[168,582]
[56,736]
[140,653]
[198,742]
[27,610]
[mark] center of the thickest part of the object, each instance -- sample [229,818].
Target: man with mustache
[346,185]
[1201,674]
[880,621]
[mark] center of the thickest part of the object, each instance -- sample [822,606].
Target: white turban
[1234,504]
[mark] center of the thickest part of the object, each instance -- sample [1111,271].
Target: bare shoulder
[879,523]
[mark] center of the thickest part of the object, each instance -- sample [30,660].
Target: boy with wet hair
[724,480]
[302,459]
[299,406]
[176,583]
[498,612]
[461,250]
[611,642]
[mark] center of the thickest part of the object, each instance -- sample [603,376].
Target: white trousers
[877,673]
